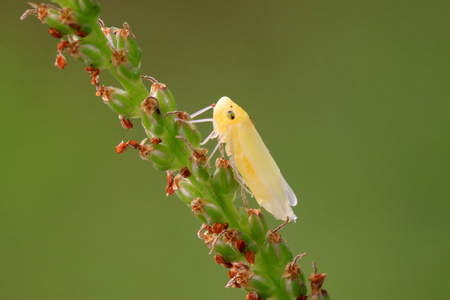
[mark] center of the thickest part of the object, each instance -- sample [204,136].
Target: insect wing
[258,156]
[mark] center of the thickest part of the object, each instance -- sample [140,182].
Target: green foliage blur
[351,98]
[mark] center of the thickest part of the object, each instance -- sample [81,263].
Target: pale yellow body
[247,151]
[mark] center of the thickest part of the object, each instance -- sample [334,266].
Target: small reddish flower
[197,206]
[125,32]
[155,84]
[240,245]
[81,33]
[121,148]
[222,162]
[184,171]
[292,270]
[126,123]
[105,92]
[55,33]
[134,144]
[253,211]
[95,75]
[63,45]
[252,296]
[274,237]
[73,48]
[250,257]
[155,141]
[220,260]
[60,61]
[316,281]
[240,276]
[169,188]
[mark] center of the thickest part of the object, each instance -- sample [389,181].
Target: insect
[248,154]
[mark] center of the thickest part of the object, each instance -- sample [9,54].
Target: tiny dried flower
[105,92]
[74,48]
[155,141]
[250,257]
[274,237]
[197,207]
[121,147]
[169,188]
[155,84]
[40,10]
[125,32]
[253,211]
[95,75]
[222,162]
[126,123]
[240,276]
[60,61]
[252,296]
[184,171]
[316,281]
[119,57]
[240,245]
[220,260]
[66,16]
[145,149]
[63,45]
[81,33]
[55,33]
[149,105]
[292,270]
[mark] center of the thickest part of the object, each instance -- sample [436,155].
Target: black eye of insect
[231,115]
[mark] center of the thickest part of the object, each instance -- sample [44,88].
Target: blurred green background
[351,97]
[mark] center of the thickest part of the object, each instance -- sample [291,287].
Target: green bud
[152,119]
[322,295]
[134,51]
[162,156]
[279,253]
[258,226]
[227,251]
[260,285]
[92,56]
[295,286]
[184,194]
[199,171]
[243,216]
[187,191]
[134,62]
[166,100]
[121,102]
[215,213]
[191,134]
[223,179]
[54,22]
[129,72]
[87,11]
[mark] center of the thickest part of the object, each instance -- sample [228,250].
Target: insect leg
[210,136]
[236,175]
[214,151]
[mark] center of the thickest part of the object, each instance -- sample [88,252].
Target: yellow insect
[248,153]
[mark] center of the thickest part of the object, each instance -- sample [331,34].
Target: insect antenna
[202,110]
